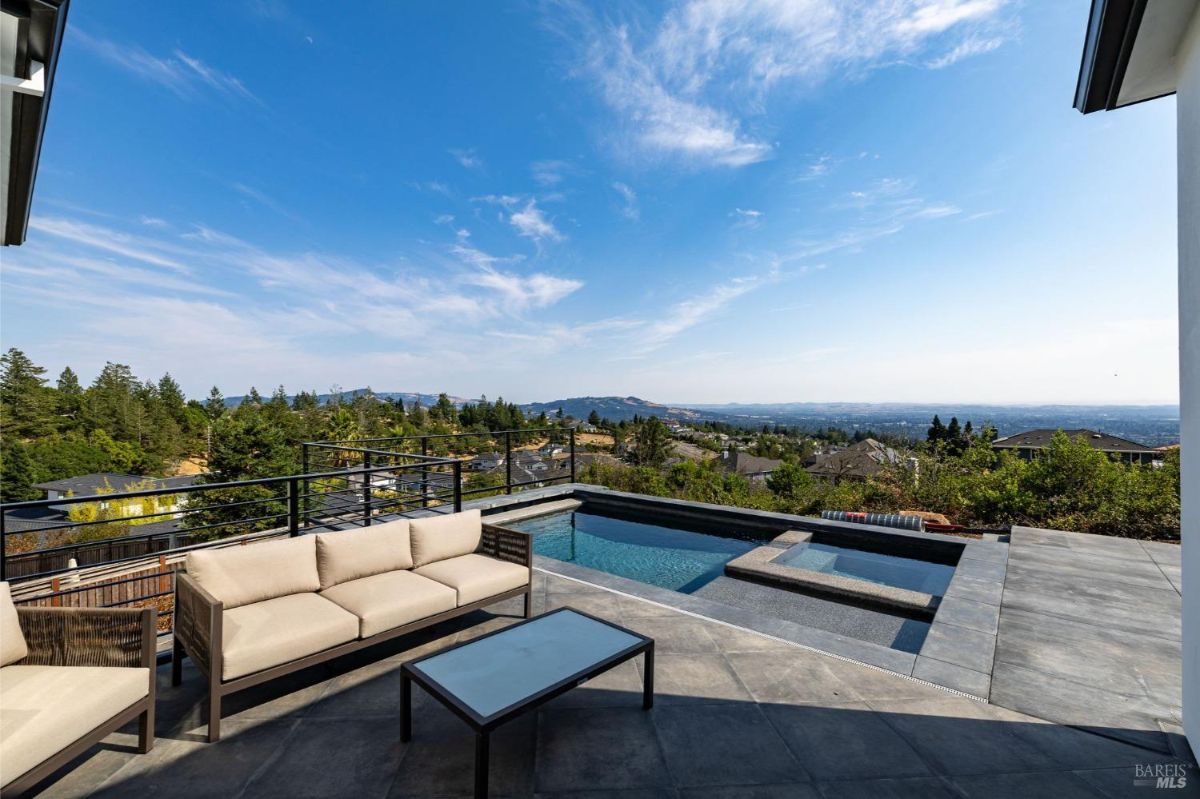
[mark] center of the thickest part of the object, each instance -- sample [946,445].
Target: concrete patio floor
[737,715]
[1089,633]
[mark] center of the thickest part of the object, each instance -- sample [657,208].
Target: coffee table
[499,676]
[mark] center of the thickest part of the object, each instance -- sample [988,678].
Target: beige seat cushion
[44,709]
[280,630]
[385,601]
[12,640]
[441,537]
[476,577]
[351,554]
[252,573]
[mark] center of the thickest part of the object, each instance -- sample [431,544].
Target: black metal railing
[47,537]
[122,548]
[495,462]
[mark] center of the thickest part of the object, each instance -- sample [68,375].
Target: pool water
[679,560]
[894,570]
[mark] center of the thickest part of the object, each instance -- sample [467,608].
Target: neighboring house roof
[88,484]
[1130,51]
[32,31]
[863,459]
[748,465]
[1037,439]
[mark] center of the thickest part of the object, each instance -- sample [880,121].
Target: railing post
[366,488]
[572,454]
[507,462]
[424,472]
[3,548]
[457,486]
[293,506]
[304,469]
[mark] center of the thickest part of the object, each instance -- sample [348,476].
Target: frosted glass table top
[504,669]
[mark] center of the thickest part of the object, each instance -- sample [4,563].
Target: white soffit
[8,68]
[1153,69]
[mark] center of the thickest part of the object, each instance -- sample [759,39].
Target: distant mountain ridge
[619,409]
[1152,425]
[408,397]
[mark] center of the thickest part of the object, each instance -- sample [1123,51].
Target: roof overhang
[1129,54]
[31,34]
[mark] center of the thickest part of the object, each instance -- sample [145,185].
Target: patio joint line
[805,647]
[1158,566]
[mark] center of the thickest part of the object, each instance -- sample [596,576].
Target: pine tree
[214,406]
[70,394]
[16,473]
[594,418]
[24,409]
[937,431]
[172,398]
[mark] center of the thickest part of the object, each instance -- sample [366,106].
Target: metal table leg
[405,708]
[648,679]
[481,765]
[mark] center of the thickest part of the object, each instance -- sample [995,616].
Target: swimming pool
[680,560]
[883,569]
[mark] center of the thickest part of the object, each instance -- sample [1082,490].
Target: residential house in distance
[486,462]
[1028,444]
[856,462]
[108,482]
[752,467]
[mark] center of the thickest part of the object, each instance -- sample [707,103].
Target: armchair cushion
[12,640]
[440,537]
[242,575]
[274,631]
[476,577]
[351,554]
[393,599]
[44,709]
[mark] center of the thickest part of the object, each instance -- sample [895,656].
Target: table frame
[483,725]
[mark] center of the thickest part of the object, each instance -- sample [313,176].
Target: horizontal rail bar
[156,492]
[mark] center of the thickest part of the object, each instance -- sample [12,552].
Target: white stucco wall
[1188,109]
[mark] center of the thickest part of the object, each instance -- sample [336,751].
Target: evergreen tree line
[120,423]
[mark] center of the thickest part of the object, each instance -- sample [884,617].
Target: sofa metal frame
[198,625]
[119,637]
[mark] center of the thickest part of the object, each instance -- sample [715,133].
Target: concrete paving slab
[953,676]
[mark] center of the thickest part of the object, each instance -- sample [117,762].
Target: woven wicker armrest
[89,636]
[512,546]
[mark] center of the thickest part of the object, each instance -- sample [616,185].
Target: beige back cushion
[440,537]
[351,554]
[12,640]
[252,573]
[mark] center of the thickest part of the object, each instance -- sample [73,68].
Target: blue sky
[699,201]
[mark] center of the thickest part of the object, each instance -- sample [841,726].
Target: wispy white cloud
[968,48]
[883,208]
[694,310]
[186,76]
[746,217]
[550,172]
[263,199]
[503,200]
[468,158]
[532,223]
[522,292]
[687,85]
[106,239]
[629,209]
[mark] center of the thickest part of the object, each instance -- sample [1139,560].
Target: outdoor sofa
[68,678]
[248,614]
